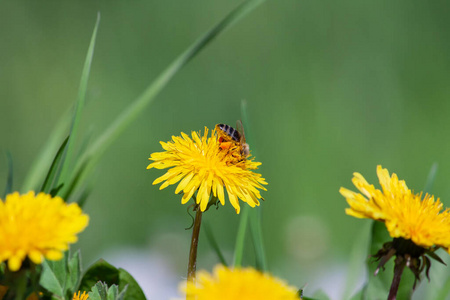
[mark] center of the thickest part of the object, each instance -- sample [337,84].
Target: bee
[230,137]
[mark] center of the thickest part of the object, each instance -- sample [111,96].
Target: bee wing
[240,129]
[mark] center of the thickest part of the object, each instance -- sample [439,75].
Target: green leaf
[73,275]
[100,291]
[74,181]
[99,271]
[257,238]
[93,154]
[378,286]
[240,237]
[81,98]
[128,283]
[319,295]
[358,295]
[358,258]
[9,178]
[110,275]
[53,276]
[254,216]
[213,243]
[444,292]
[49,179]
[35,176]
[438,288]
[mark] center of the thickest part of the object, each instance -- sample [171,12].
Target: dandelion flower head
[80,296]
[37,226]
[239,283]
[200,165]
[405,214]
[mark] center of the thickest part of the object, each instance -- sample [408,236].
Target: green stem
[192,266]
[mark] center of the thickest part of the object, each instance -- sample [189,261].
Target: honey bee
[229,137]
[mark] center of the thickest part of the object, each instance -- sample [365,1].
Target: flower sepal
[407,254]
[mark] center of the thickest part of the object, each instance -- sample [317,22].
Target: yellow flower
[83,296]
[202,166]
[37,226]
[231,284]
[405,214]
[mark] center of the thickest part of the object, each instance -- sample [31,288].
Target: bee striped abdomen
[231,132]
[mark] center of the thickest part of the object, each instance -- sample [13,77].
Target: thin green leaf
[438,288]
[81,99]
[255,213]
[74,181]
[257,238]
[137,107]
[85,194]
[9,178]
[358,259]
[35,176]
[378,286]
[213,243]
[320,294]
[444,292]
[49,179]
[431,178]
[240,237]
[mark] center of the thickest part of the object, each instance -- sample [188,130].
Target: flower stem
[194,243]
[400,263]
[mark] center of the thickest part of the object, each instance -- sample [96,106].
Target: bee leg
[225,145]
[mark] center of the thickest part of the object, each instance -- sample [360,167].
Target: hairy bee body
[228,137]
[228,133]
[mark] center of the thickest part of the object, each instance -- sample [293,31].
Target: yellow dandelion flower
[405,214]
[202,166]
[37,226]
[83,296]
[239,283]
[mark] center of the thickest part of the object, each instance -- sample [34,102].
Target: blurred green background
[331,88]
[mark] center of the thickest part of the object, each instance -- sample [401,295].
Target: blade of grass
[255,214]
[256,234]
[431,178]
[137,107]
[81,99]
[240,237]
[357,262]
[9,178]
[50,178]
[35,176]
[213,243]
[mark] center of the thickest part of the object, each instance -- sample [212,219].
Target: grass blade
[240,237]
[255,214]
[357,262]
[49,180]
[35,176]
[213,243]
[257,238]
[9,178]
[150,93]
[81,99]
